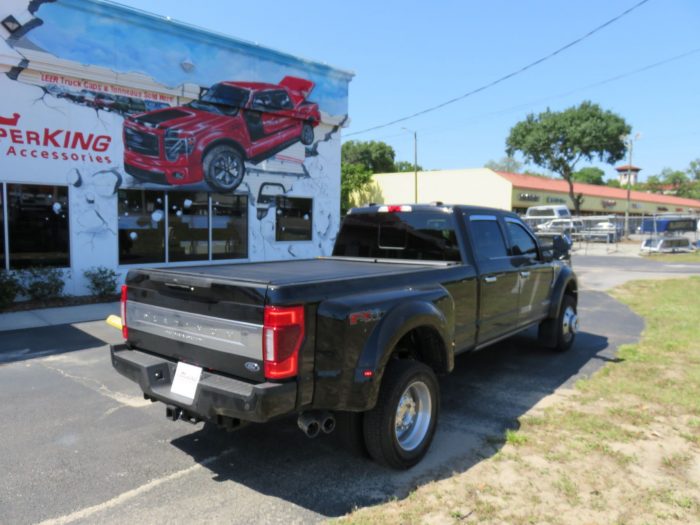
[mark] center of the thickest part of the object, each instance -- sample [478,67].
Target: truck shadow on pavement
[23,344]
[483,397]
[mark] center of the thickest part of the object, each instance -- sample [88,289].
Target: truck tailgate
[214,323]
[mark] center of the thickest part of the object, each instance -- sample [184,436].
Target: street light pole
[629,142]
[415,164]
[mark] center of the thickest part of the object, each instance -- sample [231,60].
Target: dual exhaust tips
[313,423]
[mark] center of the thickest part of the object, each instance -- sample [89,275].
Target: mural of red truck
[211,138]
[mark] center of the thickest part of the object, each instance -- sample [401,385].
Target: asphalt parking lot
[80,445]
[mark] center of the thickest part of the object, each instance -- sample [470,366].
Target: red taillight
[283,333]
[125,330]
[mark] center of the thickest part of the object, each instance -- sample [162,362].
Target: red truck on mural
[211,138]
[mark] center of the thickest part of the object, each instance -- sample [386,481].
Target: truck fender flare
[398,322]
[223,141]
[566,282]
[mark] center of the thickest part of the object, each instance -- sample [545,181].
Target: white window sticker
[186,380]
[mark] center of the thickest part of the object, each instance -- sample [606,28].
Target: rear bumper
[216,395]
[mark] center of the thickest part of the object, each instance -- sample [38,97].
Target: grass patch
[513,437]
[568,488]
[692,257]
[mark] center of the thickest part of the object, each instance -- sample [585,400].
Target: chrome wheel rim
[569,323]
[413,415]
[227,169]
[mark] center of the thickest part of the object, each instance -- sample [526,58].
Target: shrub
[43,283]
[10,286]
[103,281]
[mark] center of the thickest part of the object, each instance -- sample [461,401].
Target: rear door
[534,275]
[499,285]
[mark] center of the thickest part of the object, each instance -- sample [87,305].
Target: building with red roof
[517,192]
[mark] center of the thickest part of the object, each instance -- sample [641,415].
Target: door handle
[525,274]
[491,279]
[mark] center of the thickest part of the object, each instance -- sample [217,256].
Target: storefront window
[188,226]
[38,225]
[229,226]
[141,226]
[293,219]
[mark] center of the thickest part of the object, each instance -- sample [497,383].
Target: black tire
[349,432]
[223,168]
[385,442]
[566,326]
[307,134]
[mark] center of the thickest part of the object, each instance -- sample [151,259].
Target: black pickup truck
[352,342]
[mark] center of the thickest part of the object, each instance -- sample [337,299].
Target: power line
[570,92]
[505,77]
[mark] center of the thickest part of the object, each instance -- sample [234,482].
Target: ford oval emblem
[252,367]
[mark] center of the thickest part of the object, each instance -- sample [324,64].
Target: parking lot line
[133,493]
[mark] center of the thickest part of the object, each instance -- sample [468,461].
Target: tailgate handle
[185,287]
[181,283]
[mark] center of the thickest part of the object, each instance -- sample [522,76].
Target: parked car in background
[552,211]
[605,231]
[568,226]
[670,244]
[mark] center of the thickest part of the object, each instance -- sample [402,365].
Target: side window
[281,100]
[488,238]
[522,242]
[262,100]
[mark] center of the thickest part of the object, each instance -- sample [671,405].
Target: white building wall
[479,187]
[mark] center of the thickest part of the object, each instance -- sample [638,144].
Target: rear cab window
[409,235]
[487,237]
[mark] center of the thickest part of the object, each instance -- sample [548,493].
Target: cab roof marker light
[394,209]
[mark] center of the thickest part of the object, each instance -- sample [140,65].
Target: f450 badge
[365,316]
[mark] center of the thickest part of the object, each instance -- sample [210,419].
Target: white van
[558,211]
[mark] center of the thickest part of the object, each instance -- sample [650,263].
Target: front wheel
[223,168]
[307,134]
[399,429]
[567,324]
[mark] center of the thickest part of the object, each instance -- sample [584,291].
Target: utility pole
[415,164]
[629,142]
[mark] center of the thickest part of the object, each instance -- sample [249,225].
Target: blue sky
[408,55]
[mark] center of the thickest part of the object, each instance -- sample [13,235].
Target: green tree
[507,164]
[404,166]
[375,156]
[353,178]
[654,184]
[613,183]
[675,178]
[558,140]
[589,175]
[693,170]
